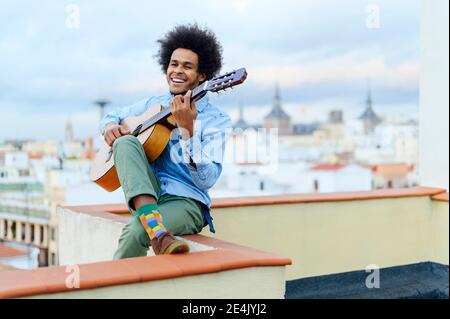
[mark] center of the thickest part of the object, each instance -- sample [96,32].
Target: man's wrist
[186,133]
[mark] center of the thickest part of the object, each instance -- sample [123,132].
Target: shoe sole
[177,248]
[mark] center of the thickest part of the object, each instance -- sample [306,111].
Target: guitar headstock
[227,80]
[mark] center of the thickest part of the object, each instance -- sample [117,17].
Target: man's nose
[179,69]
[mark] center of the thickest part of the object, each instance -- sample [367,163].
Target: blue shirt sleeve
[206,149]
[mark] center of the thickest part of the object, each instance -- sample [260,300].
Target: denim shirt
[206,147]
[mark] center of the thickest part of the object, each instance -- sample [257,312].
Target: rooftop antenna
[102,104]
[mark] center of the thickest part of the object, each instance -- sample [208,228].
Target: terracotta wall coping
[286,199]
[6,251]
[227,256]
[443,197]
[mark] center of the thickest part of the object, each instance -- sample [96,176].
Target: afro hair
[201,41]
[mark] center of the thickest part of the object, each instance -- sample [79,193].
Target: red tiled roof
[6,251]
[392,169]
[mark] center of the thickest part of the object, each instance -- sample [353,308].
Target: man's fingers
[188,96]
[123,130]
[116,132]
[187,99]
[108,139]
[177,103]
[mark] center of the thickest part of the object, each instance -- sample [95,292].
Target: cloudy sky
[57,57]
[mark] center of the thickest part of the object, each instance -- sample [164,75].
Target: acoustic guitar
[153,129]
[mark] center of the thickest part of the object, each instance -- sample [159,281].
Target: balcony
[288,246]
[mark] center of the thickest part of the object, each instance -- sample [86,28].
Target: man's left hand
[184,114]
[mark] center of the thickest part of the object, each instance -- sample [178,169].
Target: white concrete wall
[86,239]
[434,102]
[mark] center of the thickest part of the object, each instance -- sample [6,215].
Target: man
[170,196]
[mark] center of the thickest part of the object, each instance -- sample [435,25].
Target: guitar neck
[197,94]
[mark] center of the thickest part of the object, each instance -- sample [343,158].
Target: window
[13,230]
[316,185]
[32,233]
[23,231]
[42,234]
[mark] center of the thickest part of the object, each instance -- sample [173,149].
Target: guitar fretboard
[197,94]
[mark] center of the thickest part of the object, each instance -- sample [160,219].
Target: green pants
[180,215]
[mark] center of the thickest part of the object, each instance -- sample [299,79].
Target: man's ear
[201,77]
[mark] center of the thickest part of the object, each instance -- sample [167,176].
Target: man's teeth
[178,81]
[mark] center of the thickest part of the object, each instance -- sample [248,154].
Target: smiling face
[182,74]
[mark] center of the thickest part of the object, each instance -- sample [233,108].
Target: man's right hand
[113,131]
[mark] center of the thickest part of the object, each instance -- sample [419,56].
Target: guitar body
[154,140]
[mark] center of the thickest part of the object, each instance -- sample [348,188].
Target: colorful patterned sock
[151,220]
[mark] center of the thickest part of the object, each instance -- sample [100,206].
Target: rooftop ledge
[320,234]
[436,193]
[221,257]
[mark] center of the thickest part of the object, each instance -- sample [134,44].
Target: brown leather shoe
[167,244]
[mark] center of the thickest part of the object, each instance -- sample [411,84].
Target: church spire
[276,98]
[369,96]
[68,136]
[277,117]
[369,117]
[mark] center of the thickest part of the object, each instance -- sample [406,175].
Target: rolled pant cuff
[131,195]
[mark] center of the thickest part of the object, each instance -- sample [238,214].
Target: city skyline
[57,69]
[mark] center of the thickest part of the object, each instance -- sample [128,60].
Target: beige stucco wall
[333,237]
[251,283]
